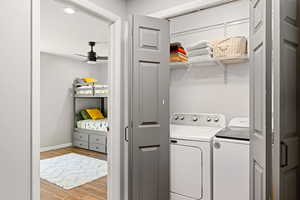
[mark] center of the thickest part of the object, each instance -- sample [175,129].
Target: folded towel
[200,52]
[200,45]
[180,50]
[202,58]
[178,58]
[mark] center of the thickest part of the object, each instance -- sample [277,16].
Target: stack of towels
[177,53]
[201,51]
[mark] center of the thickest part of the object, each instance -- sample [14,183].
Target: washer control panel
[199,119]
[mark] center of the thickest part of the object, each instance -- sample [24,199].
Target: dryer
[231,163]
[191,154]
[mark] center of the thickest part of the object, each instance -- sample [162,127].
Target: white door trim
[114,151]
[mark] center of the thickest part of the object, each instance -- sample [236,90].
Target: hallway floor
[96,190]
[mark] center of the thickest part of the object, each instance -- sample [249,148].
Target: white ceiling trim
[187,8]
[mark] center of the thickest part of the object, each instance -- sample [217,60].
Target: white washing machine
[231,164]
[191,155]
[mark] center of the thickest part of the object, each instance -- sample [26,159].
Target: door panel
[286,138]
[148,172]
[149,113]
[261,99]
[186,176]
[149,93]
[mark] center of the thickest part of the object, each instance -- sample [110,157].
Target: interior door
[149,113]
[261,99]
[286,150]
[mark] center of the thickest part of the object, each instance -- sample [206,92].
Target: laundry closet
[209,103]
[214,92]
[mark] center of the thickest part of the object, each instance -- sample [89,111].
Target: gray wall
[210,89]
[57,75]
[15,100]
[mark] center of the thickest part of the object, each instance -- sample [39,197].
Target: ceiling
[67,34]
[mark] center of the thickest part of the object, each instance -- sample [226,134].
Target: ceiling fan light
[69,10]
[91,62]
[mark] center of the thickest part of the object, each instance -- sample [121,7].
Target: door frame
[114,103]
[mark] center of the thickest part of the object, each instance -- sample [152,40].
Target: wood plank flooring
[96,190]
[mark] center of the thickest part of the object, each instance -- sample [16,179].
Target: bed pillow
[89,80]
[85,115]
[95,114]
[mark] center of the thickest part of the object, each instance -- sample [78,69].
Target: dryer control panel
[199,119]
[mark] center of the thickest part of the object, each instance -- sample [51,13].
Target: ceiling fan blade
[102,57]
[76,54]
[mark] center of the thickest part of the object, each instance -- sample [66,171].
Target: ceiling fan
[91,57]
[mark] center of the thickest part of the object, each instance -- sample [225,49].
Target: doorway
[113,113]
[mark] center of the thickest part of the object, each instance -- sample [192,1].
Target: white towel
[200,52]
[200,45]
[202,58]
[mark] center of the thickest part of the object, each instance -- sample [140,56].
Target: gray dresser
[92,140]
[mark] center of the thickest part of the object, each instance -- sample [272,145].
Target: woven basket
[230,47]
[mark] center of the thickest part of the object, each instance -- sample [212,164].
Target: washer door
[186,170]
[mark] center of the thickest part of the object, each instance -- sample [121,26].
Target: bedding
[84,115]
[97,125]
[92,90]
[95,114]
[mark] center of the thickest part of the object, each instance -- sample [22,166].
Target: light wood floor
[95,190]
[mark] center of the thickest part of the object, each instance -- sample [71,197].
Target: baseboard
[60,146]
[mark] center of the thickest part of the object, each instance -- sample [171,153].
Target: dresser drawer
[98,147]
[81,144]
[81,136]
[99,139]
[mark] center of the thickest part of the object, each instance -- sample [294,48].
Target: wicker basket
[230,47]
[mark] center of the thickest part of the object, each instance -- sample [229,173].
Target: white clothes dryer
[191,154]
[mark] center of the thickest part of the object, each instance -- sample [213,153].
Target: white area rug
[72,170]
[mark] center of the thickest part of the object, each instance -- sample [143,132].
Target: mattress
[96,125]
[92,90]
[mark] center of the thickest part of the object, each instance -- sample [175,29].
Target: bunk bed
[90,134]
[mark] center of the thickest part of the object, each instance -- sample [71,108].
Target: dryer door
[186,170]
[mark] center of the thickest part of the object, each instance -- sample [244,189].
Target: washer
[191,154]
[231,164]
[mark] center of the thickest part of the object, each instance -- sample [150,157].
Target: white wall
[75,31]
[146,6]
[116,6]
[15,100]
[205,88]
[57,76]
[209,88]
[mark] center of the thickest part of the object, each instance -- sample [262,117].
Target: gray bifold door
[286,138]
[260,99]
[149,113]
